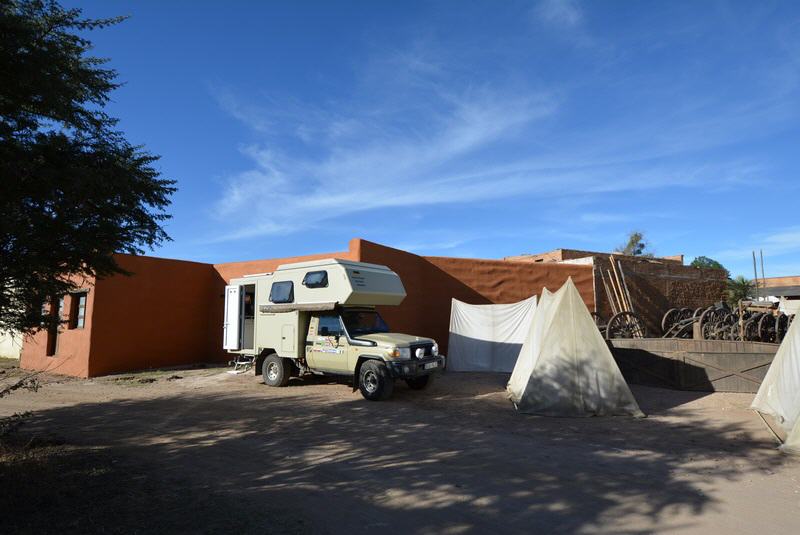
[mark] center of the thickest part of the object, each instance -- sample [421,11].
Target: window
[316,279]
[361,322]
[52,331]
[329,326]
[249,300]
[282,292]
[77,313]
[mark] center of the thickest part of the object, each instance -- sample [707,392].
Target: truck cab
[320,318]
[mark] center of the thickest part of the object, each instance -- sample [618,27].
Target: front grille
[427,347]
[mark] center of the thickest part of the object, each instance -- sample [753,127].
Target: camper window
[316,279]
[282,292]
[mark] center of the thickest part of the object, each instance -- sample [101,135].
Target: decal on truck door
[231,327]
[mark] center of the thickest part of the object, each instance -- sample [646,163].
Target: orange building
[170,312]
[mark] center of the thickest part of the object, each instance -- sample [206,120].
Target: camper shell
[320,317]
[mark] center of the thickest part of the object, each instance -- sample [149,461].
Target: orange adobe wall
[73,346]
[157,317]
[431,283]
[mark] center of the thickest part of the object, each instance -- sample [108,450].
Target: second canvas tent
[779,393]
[565,367]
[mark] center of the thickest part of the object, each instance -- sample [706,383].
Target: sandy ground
[211,451]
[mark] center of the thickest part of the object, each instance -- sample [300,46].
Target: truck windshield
[360,322]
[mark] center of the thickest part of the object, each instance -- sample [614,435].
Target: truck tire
[276,370]
[374,381]
[420,383]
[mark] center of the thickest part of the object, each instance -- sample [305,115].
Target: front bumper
[404,369]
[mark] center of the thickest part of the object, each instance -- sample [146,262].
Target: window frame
[77,310]
[322,284]
[290,296]
[341,331]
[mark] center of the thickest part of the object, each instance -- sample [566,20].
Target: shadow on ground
[435,462]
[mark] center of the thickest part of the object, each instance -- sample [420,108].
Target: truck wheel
[276,371]
[374,381]
[420,383]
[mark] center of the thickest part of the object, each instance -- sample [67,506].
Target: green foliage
[704,262]
[739,288]
[635,246]
[73,191]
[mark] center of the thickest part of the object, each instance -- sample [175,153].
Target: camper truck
[319,317]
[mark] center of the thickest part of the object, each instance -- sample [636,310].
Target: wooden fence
[704,365]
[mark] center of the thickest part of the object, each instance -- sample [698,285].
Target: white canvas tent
[487,338]
[531,346]
[565,367]
[779,393]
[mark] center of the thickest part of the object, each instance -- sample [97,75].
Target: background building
[783,290]
[10,344]
[656,284]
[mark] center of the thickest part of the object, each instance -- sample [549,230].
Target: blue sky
[467,129]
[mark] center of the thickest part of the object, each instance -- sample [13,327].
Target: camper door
[231,327]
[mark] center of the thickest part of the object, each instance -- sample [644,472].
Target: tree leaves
[739,289]
[704,262]
[635,246]
[73,190]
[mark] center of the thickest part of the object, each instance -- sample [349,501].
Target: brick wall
[656,286]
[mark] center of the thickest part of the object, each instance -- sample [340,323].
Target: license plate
[430,365]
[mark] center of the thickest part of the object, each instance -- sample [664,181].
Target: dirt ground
[205,451]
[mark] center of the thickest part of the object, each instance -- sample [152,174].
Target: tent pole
[772,431]
[755,274]
[625,304]
[625,286]
[639,333]
[619,284]
[613,281]
[616,295]
[611,303]
[618,291]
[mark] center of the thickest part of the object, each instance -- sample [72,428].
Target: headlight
[435,349]
[402,353]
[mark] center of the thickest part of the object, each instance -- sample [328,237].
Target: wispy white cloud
[435,163]
[566,20]
[414,134]
[600,217]
[775,244]
[431,245]
[559,12]
[389,167]
[250,115]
